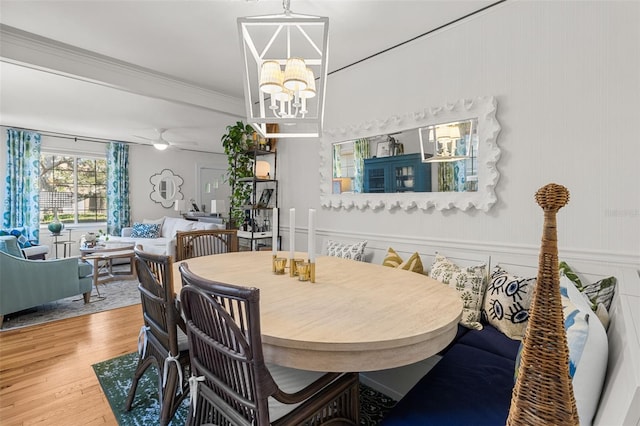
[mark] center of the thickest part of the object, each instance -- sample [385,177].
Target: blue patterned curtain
[337,167]
[21,200]
[118,209]
[361,152]
[452,174]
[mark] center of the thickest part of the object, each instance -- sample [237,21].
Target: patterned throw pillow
[470,282]
[145,230]
[507,301]
[20,234]
[347,251]
[413,264]
[600,292]
[392,259]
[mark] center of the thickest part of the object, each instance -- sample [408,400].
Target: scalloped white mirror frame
[484,108]
[156,194]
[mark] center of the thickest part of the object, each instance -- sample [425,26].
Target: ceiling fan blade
[186,143]
[142,137]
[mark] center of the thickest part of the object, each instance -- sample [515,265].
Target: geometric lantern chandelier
[285,72]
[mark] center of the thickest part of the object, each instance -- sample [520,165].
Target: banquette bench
[471,381]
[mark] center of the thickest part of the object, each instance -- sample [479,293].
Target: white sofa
[166,243]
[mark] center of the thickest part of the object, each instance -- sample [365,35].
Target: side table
[65,243]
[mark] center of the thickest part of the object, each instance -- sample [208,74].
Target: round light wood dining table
[355,317]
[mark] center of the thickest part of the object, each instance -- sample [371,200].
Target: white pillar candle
[292,233]
[274,232]
[312,236]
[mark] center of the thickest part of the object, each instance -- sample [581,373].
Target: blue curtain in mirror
[118,208]
[337,167]
[21,199]
[452,174]
[361,151]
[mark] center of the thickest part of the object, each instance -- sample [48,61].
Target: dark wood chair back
[158,298]
[160,339]
[205,242]
[225,345]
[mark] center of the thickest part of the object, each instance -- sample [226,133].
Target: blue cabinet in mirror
[442,157]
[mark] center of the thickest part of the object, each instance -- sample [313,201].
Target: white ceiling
[115,70]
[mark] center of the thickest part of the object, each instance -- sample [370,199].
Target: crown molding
[30,50]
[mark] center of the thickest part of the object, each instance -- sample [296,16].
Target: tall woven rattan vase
[543,393]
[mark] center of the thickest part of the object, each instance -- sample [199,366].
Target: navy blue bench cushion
[491,340]
[469,386]
[462,330]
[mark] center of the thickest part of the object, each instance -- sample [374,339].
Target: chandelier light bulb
[295,74]
[271,77]
[310,91]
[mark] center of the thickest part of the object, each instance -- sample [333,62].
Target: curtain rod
[92,139]
[468,15]
[72,137]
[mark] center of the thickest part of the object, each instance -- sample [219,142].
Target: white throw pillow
[469,282]
[591,367]
[158,221]
[204,226]
[588,350]
[507,301]
[172,225]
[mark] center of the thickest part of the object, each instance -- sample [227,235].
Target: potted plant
[236,143]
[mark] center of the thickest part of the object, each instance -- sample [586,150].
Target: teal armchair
[27,283]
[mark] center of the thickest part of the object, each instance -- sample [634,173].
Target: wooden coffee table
[102,257]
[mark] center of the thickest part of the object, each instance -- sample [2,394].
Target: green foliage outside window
[75,187]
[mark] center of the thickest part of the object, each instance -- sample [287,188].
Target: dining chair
[230,382]
[205,242]
[162,341]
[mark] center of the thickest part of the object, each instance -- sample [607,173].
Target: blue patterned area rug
[115,378]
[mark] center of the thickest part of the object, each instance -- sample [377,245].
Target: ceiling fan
[160,143]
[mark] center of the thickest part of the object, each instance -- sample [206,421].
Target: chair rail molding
[484,108]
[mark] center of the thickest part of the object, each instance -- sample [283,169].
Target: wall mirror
[442,157]
[211,181]
[166,188]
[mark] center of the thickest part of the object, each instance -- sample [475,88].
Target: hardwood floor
[46,376]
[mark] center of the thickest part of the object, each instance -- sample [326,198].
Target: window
[75,187]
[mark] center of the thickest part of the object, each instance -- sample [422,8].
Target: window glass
[73,186]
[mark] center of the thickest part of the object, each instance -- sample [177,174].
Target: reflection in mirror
[448,152]
[391,163]
[212,183]
[454,149]
[166,188]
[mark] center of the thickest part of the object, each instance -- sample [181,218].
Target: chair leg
[170,397]
[87,297]
[140,369]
